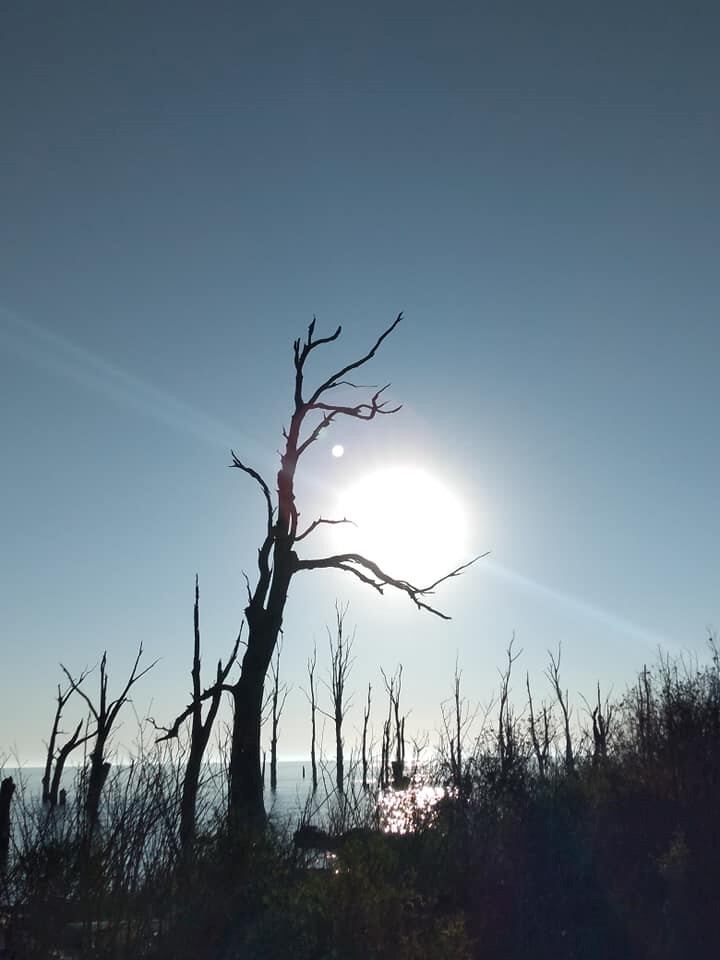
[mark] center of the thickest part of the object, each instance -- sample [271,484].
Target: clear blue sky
[183,186]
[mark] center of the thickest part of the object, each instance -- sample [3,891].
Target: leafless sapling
[313,411]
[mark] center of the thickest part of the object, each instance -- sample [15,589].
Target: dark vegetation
[560,833]
[604,846]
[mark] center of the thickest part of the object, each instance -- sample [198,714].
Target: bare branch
[174,730]
[323,425]
[334,380]
[75,687]
[361,411]
[356,564]
[263,486]
[316,523]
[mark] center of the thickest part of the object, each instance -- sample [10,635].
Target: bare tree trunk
[75,741]
[278,697]
[312,698]
[7,789]
[245,793]
[394,688]
[62,699]
[99,770]
[200,729]
[553,674]
[51,747]
[366,720]
[385,756]
[341,661]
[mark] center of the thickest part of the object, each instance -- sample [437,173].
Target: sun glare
[407,521]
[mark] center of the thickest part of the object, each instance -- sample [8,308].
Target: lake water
[293,800]
[284,805]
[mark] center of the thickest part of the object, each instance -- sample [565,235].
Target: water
[293,799]
[284,805]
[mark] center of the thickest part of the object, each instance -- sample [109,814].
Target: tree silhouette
[341,661]
[278,696]
[200,729]
[104,713]
[58,756]
[278,561]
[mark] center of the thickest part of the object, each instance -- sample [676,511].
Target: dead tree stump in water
[7,789]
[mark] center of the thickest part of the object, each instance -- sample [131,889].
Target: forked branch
[370,573]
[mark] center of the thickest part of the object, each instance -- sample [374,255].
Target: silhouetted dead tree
[553,675]
[7,789]
[341,661]
[457,719]
[312,700]
[366,721]
[601,715]
[104,713]
[200,729]
[278,560]
[50,780]
[507,738]
[541,734]
[63,753]
[394,689]
[278,697]
[62,699]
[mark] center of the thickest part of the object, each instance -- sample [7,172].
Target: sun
[407,521]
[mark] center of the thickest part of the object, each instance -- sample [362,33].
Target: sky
[183,186]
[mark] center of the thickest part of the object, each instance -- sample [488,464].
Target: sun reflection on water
[403,811]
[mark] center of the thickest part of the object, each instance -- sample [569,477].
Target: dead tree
[58,757]
[278,697]
[62,699]
[341,661]
[312,700]
[7,789]
[385,753]
[507,735]
[313,411]
[200,729]
[366,721]
[394,689]
[457,719]
[63,753]
[104,713]
[541,735]
[553,675]
[601,715]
